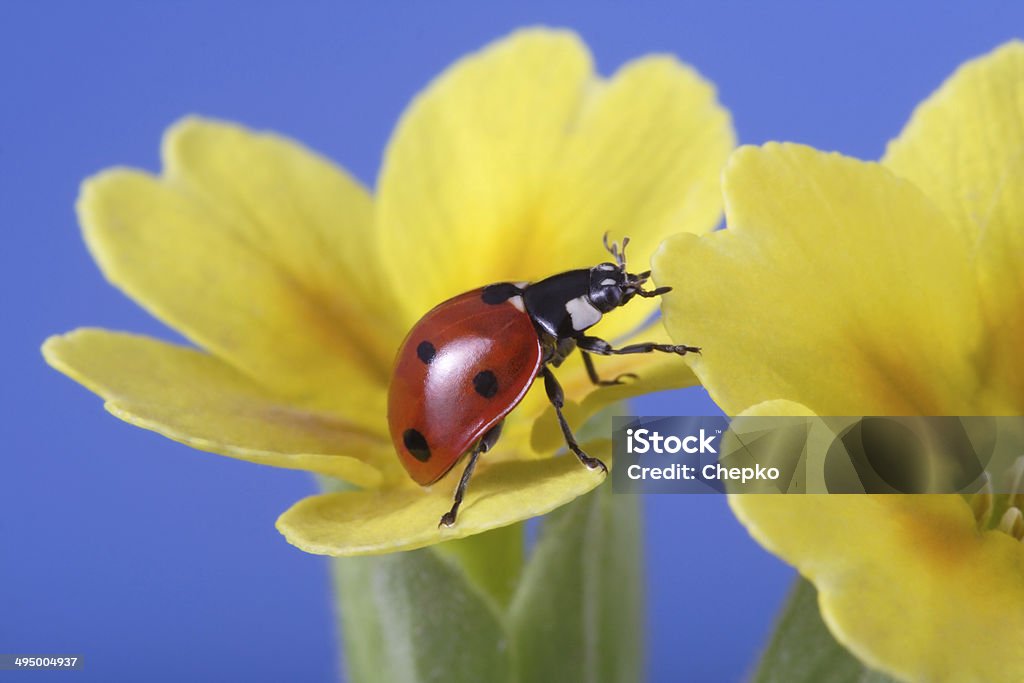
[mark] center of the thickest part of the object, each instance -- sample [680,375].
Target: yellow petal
[643,160]
[836,285]
[964,146]
[194,398]
[499,494]
[468,161]
[257,250]
[905,582]
[514,162]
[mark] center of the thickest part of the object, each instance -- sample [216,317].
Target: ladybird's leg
[592,373]
[484,444]
[654,292]
[557,398]
[600,346]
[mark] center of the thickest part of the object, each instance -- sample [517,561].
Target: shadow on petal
[194,398]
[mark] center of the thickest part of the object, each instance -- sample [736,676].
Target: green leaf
[802,650]
[578,612]
[419,617]
[414,617]
[432,615]
[493,560]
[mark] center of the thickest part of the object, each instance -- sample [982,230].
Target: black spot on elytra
[499,293]
[485,383]
[426,352]
[417,444]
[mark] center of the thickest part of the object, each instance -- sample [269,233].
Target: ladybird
[470,360]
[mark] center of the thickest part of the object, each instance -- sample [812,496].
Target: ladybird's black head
[607,286]
[612,286]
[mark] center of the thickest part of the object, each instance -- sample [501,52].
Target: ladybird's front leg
[600,346]
[484,444]
[557,398]
[596,379]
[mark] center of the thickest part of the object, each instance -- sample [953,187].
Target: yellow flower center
[1002,511]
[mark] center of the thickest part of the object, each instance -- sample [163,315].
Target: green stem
[474,610]
[492,560]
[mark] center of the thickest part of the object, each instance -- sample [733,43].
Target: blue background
[138,552]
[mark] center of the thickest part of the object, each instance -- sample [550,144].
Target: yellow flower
[844,287]
[298,286]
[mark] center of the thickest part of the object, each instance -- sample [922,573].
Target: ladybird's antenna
[617,252]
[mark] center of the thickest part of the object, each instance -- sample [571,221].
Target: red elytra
[463,367]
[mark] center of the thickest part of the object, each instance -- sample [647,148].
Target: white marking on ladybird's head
[582,313]
[607,281]
[517,301]
[521,285]
[607,266]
